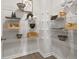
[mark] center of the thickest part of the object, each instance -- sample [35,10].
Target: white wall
[9,45]
[43,9]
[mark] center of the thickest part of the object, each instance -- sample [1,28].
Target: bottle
[14,15]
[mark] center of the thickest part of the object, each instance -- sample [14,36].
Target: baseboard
[50,54]
[45,55]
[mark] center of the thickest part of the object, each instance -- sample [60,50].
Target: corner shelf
[57,28]
[27,11]
[13,28]
[11,17]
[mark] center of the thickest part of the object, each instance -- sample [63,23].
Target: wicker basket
[32,34]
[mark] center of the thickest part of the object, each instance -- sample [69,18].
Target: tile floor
[35,56]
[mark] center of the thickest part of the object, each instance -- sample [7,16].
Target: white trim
[50,54]
[34,51]
[56,55]
[45,55]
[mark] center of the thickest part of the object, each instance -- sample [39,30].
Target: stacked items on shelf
[13,25]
